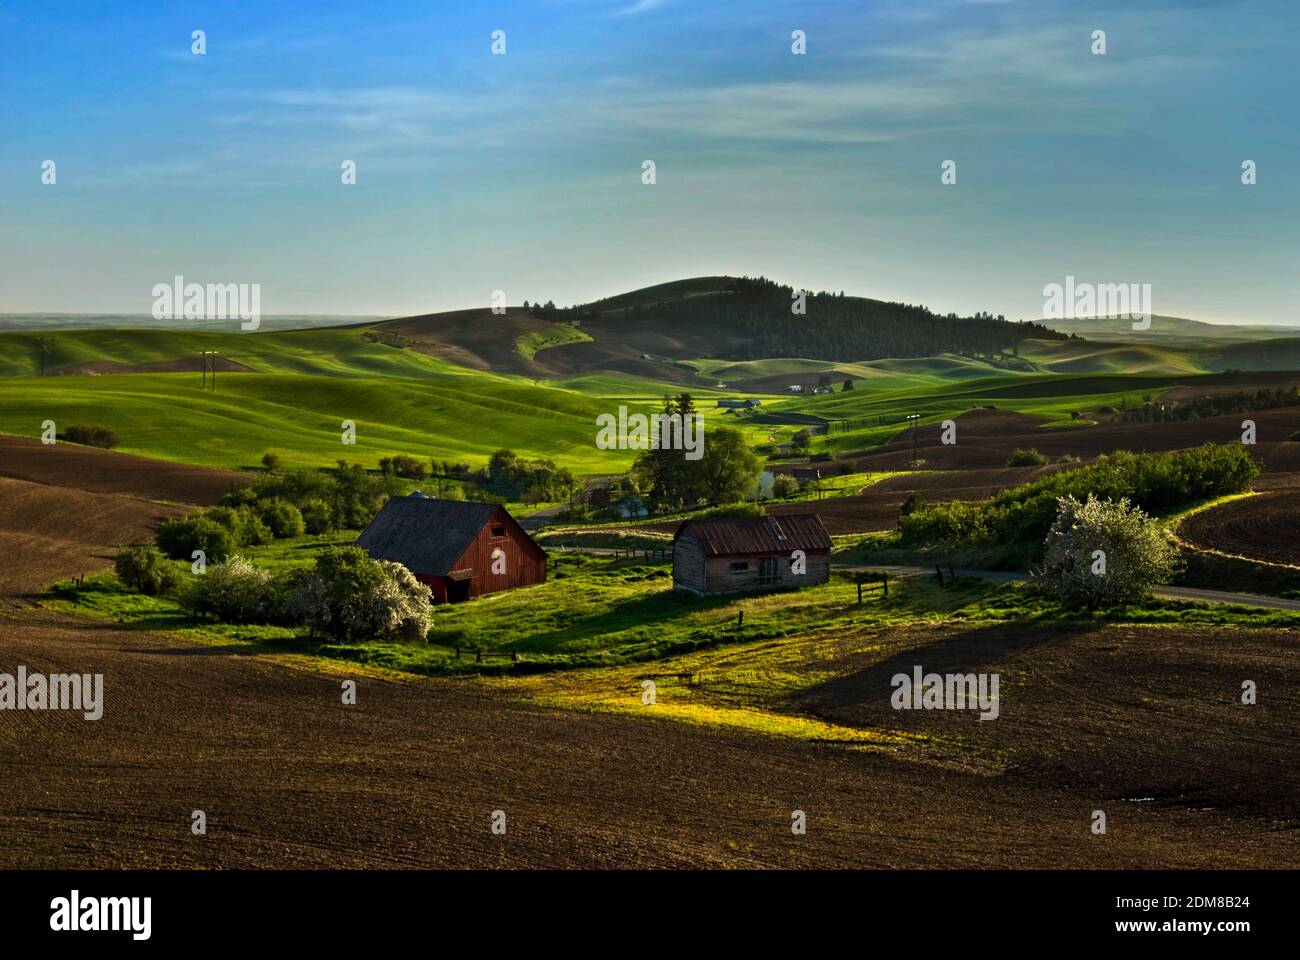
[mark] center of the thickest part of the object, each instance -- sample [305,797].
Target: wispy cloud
[640,6]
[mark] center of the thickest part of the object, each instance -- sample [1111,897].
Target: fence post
[885,580]
[940,573]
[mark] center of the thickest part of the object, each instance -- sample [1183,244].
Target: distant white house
[796,388]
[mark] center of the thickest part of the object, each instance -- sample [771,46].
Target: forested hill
[751,319]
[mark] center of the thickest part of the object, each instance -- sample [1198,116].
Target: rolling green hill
[1175,331]
[459,385]
[299,417]
[323,352]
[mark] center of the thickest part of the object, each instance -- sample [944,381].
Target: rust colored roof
[741,536]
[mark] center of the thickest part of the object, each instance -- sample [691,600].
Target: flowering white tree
[400,605]
[1101,552]
[235,591]
[351,596]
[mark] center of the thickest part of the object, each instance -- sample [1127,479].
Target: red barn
[461,550]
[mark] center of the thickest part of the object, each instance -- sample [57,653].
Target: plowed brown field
[103,471]
[1264,527]
[1142,723]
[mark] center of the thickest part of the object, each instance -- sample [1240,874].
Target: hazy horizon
[522,172]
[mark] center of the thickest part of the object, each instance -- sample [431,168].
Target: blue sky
[522,172]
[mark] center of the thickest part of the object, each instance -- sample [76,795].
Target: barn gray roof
[739,536]
[424,535]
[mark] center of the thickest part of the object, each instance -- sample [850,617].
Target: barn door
[767,570]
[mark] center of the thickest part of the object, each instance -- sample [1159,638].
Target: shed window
[498,533]
[740,566]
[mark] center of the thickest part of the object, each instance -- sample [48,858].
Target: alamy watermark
[75,913]
[660,431]
[208,301]
[952,691]
[1078,301]
[55,691]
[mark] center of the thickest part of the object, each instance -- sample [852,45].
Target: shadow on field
[658,609]
[977,650]
[222,650]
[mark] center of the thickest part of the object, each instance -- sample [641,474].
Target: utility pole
[916,419]
[209,363]
[46,351]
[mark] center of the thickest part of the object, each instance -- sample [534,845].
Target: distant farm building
[632,506]
[751,553]
[796,388]
[461,550]
[740,404]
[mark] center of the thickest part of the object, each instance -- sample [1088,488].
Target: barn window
[767,570]
[498,533]
[740,566]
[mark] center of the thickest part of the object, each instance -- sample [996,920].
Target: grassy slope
[323,352]
[601,612]
[852,414]
[299,417]
[307,383]
[406,402]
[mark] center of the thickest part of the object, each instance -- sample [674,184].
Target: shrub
[729,510]
[1295,437]
[316,515]
[245,526]
[179,538]
[1027,457]
[235,591]
[1157,483]
[1103,552]
[283,519]
[90,436]
[144,570]
[911,503]
[784,485]
[349,595]
[271,461]
[357,496]
[400,466]
[801,439]
[400,605]
[255,531]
